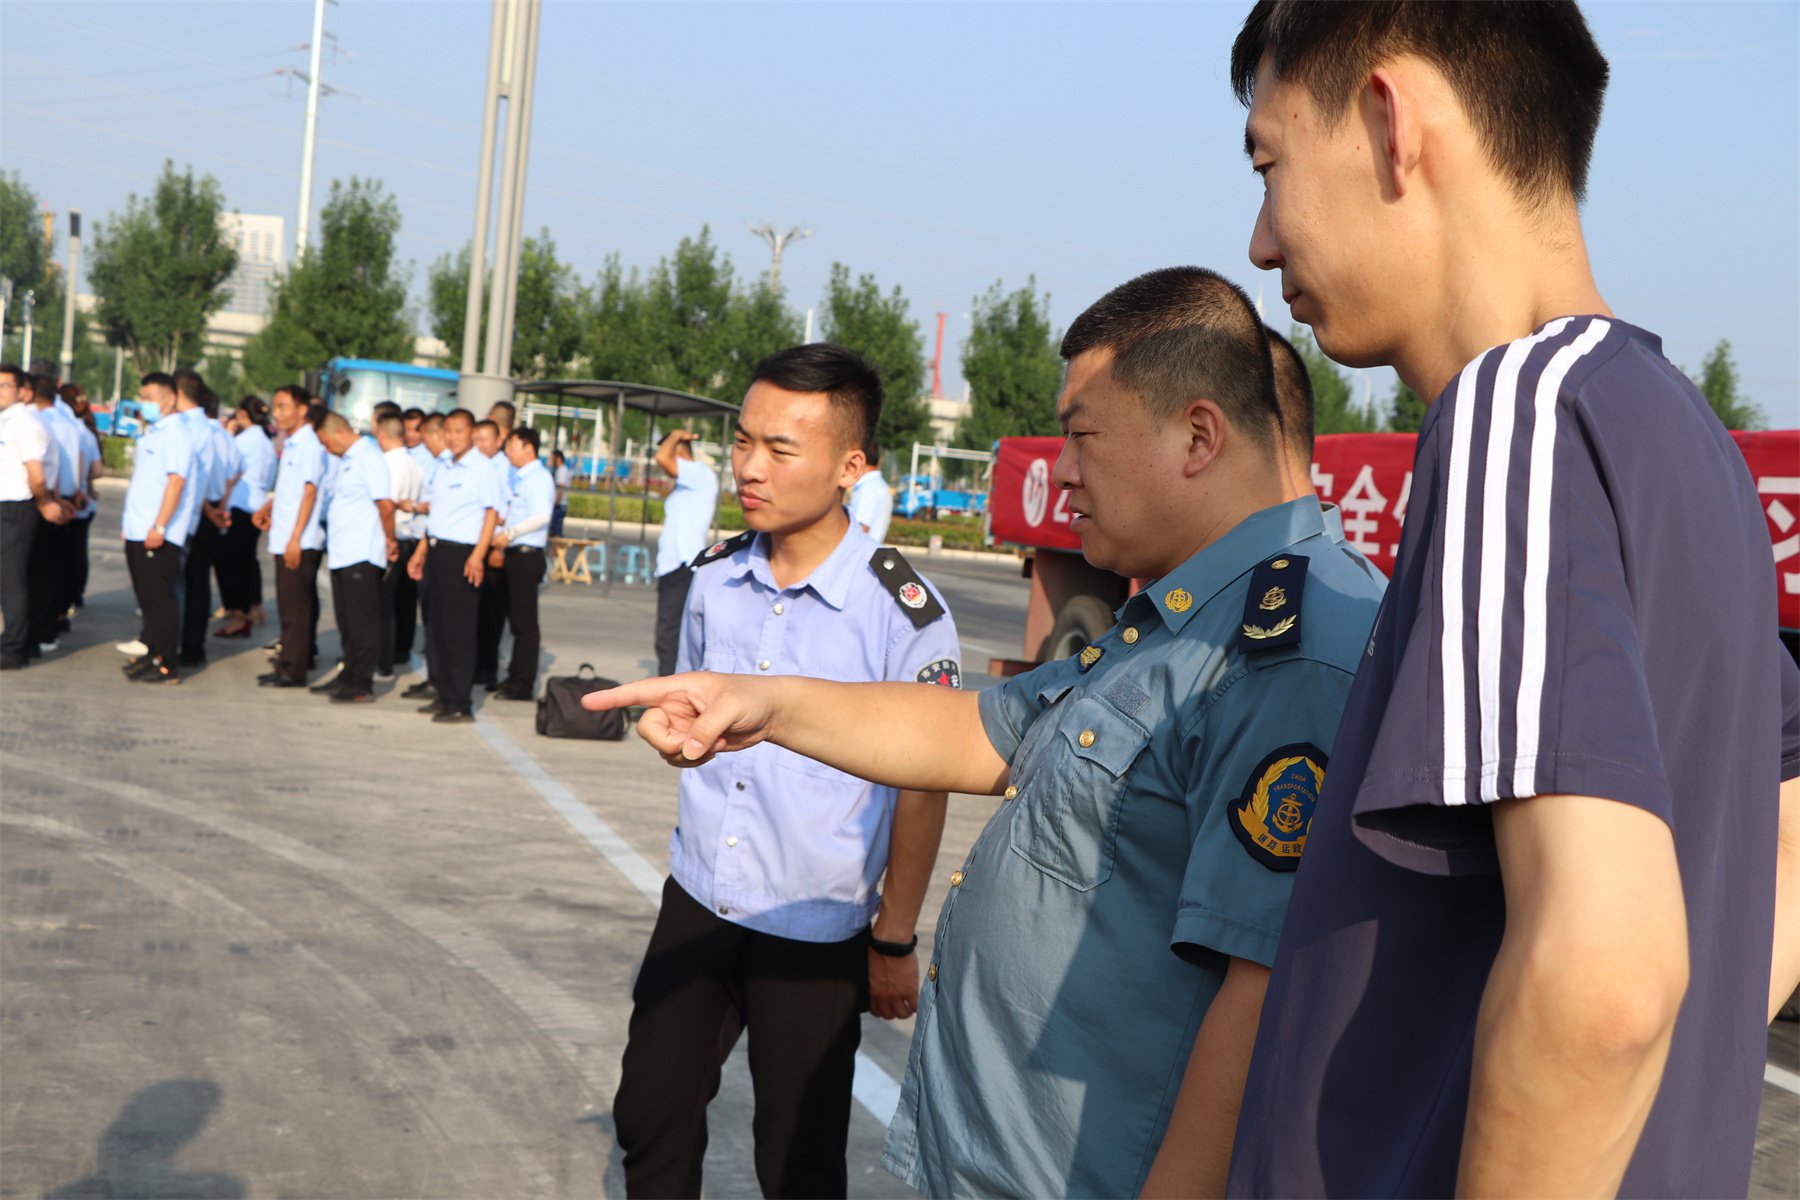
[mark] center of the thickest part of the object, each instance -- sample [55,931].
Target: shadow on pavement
[138,1150]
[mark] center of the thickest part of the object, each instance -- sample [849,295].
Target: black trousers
[704,980]
[78,570]
[524,572]
[203,547]
[356,602]
[671,602]
[156,578]
[297,592]
[47,580]
[399,606]
[455,605]
[236,565]
[19,521]
[490,623]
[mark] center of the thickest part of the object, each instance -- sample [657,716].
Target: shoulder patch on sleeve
[905,586]
[725,549]
[1275,811]
[1272,607]
[945,672]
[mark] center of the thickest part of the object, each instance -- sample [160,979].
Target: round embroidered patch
[912,595]
[1272,817]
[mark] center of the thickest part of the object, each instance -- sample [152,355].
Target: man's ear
[1205,429]
[1390,115]
[852,469]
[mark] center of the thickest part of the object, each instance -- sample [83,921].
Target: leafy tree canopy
[547,320]
[1012,362]
[1334,411]
[1718,382]
[878,326]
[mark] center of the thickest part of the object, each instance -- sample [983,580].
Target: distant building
[946,414]
[261,243]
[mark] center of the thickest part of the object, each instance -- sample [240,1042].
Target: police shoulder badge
[725,549]
[945,672]
[912,595]
[906,587]
[1089,657]
[1272,608]
[1272,816]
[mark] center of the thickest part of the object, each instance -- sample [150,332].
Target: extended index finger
[645,693]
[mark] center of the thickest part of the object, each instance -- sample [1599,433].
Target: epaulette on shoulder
[1272,607]
[724,549]
[905,586]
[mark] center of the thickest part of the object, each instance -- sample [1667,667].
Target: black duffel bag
[560,715]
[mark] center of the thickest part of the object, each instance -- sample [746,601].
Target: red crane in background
[937,361]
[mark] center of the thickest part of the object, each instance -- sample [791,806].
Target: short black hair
[488,424]
[413,414]
[43,387]
[1293,392]
[1181,333]
[159,379]
[390,423]
[19,377]
[255,410]
[190,387]
[46,367]
[528,435]
[464,413]
[293,391]
[316,412]
[383,408]
[1527,72]
[848,378]
[872,452]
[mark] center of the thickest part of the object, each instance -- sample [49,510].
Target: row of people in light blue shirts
[199,450]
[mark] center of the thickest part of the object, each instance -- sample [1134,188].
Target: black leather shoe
[137,664]
[419,691]
[352,696]
[434,709]
[513,692]
[192,660]
[275,679]
[454,716]
[159,671]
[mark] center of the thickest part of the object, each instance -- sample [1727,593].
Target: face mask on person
[150,410]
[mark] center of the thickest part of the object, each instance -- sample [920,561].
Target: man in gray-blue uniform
[464,509]
[1101,959]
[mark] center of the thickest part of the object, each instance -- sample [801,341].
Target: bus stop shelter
[662,405]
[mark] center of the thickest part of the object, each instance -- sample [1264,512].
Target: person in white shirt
[871,501]
[399,592]
[238,567]
[687,516]
[523,534]
[563,477]
[26,503]
[491,621]
[74,404]
[53,554]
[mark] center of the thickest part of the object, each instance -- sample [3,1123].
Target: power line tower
[777,243]
[314,88]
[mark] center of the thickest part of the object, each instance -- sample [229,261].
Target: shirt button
[724,911]
[1131,636]
[779,610]
[1086,739]
[740,785]
[763,665]
[956,878]
[1010,793]
[931,974]
[731,841]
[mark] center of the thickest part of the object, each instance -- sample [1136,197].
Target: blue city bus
[354,386]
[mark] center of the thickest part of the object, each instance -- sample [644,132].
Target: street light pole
[484,188]
[68,337]
[777,243]
[312,129]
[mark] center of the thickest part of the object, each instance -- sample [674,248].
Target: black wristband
[893,949]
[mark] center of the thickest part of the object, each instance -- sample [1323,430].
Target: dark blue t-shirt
[1584,603]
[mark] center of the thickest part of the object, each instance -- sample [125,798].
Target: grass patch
[115,452]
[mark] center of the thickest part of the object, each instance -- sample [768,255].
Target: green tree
[1333,409]
[1406,409]
[24,254]
[548,318]
[1013,367]
[1718,382]
[879,327]
[345,298]
[159,270]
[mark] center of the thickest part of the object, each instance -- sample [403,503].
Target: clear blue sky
[939,146]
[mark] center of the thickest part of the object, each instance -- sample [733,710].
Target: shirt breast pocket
[1067,822]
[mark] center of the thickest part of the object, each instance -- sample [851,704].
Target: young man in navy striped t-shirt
[1530,946]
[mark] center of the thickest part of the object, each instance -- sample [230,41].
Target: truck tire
[1081,620]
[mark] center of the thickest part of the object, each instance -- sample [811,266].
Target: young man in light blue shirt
[155,526]
[777,865]
[687,515]
[524,532]
[871,502]
[491,615]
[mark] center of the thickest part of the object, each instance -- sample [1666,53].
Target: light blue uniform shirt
[65,431]
[533,495]
[687,515]
[228,462]
[166,449]
[769,839]
[303,461]
[462,490]
[1092,922]
[353,530]
[258,454]
[203,484]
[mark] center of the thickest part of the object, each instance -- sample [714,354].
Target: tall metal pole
[312,129]
[30,307]
[118,369]
[504,260]
[521,97]
[68,339]
[484,191]
[777,243]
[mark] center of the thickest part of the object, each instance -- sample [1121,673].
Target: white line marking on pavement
[1782,1078]
[873,1087]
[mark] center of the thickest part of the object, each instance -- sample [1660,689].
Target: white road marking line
[1782,1078]
[873,1087]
